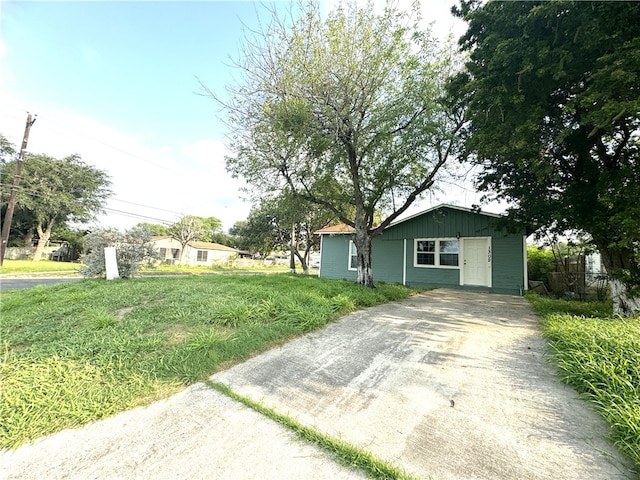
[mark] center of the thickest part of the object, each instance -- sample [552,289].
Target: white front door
[476,262]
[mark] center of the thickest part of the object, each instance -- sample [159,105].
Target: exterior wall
[386,260]
[190,256]
[508,264]
[507,267]
[335,257]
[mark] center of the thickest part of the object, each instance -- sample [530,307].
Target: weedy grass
[43,266]
[599,355]
[212,269]
[75,353]
[347,454]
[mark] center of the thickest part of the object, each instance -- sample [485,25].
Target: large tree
[346,111]
[285,223]
[188,228]
[553,93]
[53,192]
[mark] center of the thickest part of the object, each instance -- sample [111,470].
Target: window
[202,255]
[436,253]
[353,256]
[163,253]
[425,252]
[449,253]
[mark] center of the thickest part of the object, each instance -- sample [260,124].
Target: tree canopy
[553,94]
[54,192]
[284,223]
[347,111]
[188,229]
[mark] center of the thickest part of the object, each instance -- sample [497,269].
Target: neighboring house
[195,253]
[446,246]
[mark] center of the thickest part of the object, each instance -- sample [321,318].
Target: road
[11,283]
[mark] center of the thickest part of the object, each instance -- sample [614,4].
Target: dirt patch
[122,312]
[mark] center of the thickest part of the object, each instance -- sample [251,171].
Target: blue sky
[116,82]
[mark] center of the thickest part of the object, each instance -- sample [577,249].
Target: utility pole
[292,258]
[8,216]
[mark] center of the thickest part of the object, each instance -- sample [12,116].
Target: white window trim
[436,253]
[349,267]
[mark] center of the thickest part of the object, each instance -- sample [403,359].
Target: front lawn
[599,355]
[43,266]
[74,353]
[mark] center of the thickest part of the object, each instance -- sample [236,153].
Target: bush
[540,262]
[133,249]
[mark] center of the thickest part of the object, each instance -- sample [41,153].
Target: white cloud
[160,182]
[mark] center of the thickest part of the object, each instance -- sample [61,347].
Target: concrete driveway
[447,385]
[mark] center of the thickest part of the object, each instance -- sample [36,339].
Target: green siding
[441,223]
[335,257]
[507,265]
[386,260]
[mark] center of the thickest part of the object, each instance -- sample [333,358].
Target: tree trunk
[181,253]
[292,247]
[616,260]
[27,238]
[43,240]
[303,261]
[362,241]
[623,305]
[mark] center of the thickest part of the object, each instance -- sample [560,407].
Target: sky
[118,83]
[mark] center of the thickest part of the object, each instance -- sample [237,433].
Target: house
[195,253]
[446,246]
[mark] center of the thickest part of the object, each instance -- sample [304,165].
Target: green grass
[345,453]
[599,355]
[204,270]
[74,353]
[43,266]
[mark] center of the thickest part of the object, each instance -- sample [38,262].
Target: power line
[113,210]
[76,132]
[145,206]
[135,215]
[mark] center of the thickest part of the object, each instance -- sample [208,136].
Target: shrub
[133,249]
[540,262]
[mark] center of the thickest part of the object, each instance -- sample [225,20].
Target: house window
[425,252]
[162,253]
[175,253]
[202,255]
[436,253]
[353,256]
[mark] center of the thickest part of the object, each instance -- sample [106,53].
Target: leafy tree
[285,223]
[188,229]
[7,153]
[155,229]
[224,239]
[347,112]
[53,192]
[133,249]
[212,227]
[553,93]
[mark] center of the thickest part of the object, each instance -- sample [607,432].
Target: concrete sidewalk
[447,385]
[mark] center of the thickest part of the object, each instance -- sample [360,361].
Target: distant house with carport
[195,253]
[445,246]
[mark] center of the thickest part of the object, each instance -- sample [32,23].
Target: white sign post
[110,263]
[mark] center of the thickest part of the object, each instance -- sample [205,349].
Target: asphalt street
[11,283]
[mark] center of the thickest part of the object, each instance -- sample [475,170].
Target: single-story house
[195,253]
[445,246]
